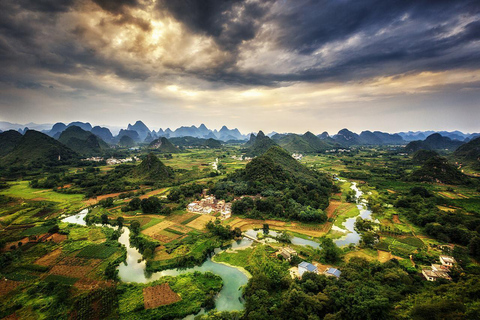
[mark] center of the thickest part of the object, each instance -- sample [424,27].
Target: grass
[99,251]
[346,211]
[174,231]
[36,230]
[190,219]
[151,223]
[412,241]
[61,279]
[239,258]
[20,276]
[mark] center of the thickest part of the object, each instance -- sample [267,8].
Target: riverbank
[241,269]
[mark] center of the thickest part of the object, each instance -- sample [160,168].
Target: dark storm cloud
[46,6]
[229,22]
[416,35]
[394,37]
[116,6]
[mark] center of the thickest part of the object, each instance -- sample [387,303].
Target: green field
[100,251]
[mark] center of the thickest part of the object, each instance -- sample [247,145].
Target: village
[112,161]
[210,205]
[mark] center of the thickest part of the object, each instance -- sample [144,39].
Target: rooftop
[334,272]
[310,267]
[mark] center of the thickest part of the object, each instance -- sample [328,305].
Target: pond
[78,218]
[353,237]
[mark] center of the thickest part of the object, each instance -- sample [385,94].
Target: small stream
[352,236]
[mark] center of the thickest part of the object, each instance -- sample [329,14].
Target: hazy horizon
[255,65]
[115,129]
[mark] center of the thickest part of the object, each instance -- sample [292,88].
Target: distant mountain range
[140,133]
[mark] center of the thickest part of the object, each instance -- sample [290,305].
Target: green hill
[8,140]
[126,142]
[188,141]
[306,143]
[470,151]
[82,142]
[276,165]
[152,169]
[433,142]
[437,169]
[36,149]
[422,156]
[163,145]
[293,143]
[288,188]
[258,145]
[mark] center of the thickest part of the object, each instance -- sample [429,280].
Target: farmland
[41,251]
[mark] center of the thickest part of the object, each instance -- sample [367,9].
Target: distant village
[296,156]
[112,161]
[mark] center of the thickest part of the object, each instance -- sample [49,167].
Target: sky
[272,65]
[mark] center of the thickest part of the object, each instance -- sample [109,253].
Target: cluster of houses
[94,159]
[297,272]
[297,156]
[209,204]
[112,161]
[440,271]
[241,158]
[337,150]
[308,267]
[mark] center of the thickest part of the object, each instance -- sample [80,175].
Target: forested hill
[82,142]
[152,169]
[163,145]
[36,149]
[259,144]
[288,188]
[437,169]
[470,151]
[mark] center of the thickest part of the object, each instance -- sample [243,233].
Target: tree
[135,226]
[104,218]
[284,236]
[329,253]
[474,247]
[54,229]
[151,205]
[368,239]
[134,204]
[120,221]
[266,228]
[106,203]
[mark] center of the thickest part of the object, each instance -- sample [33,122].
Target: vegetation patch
[196,290]
[174,231]
[159,295]
[187,221]
[61,279]
[99,251]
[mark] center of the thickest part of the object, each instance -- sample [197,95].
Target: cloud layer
[329,64]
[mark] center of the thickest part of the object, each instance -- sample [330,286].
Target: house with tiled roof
[333,272]
[306,267]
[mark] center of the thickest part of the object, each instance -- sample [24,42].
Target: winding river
[228,299]
[352,236]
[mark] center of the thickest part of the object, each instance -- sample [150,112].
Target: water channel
[229,298]
[352,236]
